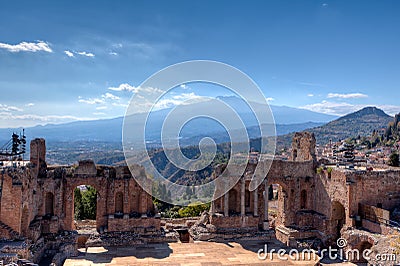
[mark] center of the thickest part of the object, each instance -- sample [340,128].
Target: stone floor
[197,253]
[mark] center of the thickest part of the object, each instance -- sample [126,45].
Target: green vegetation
[85,203]
[394,159]
[320,170]
[172,211]
[194,209]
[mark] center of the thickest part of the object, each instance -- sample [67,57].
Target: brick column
[266,223]
[226,204]
[242,197]
[255,193]
[212,210]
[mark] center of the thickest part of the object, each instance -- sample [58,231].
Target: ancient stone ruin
[37,204]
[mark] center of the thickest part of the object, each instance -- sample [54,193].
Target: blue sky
[71,60]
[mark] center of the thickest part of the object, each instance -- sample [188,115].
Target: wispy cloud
[69,53]
[8,108]
[29,104]
[270,99]
[124,87]
[347,95]
[332,108]
[103,99]
[99,113]
[73,53]
[181,99]
[184,86]
[91,100]
[310,95]
[27,47]
[85,54]
[42,118]
[343,108]
[130,88]
[111,96]
[311,84]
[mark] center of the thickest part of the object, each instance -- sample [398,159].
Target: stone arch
[247,199]
[338,217]
[303,199]
[233,201]
[119,202]
[49,204]
[135,202]
[282,200]
[101,208]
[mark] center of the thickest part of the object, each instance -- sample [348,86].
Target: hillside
[362,122]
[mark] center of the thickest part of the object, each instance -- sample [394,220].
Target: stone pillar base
[266,225]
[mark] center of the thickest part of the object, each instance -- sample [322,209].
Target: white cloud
[103,99]
[120,105]
[69,53]
[181,99]
[130,88]
[324,4]
[184,86]
[310,95]
[27,47]
[91,100]
[41,118]
[8,108]
[110,96]
[269,99]
[29,104]
[113,53]
[343,108]
[347,95]
[332,108]
[390,109]
[124,87]
[85,54]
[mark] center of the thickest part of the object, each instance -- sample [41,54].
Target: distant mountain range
[359,123]
[288,119]
[101,139]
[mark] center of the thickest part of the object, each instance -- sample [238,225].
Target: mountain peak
[366,111]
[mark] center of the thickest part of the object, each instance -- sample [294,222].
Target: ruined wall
[38,199]
[303,147]
[11,202]
[118,194]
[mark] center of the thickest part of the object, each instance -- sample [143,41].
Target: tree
[394,159]
[89,200]
[85,203]
[79,209]
[194,209]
